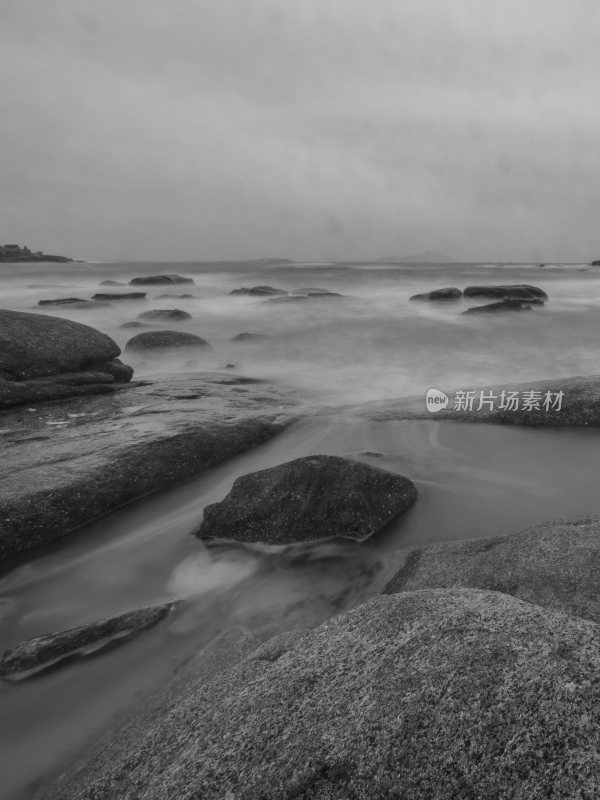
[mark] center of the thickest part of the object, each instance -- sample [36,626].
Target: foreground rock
[46,358]
[94,454]
[163,340]
[37,655]
[562,401]
[555,564]
[259,291]
[169,314]
[449,293]
[448,694]
[159,280]
[315,497]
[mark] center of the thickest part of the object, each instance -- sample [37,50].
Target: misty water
[372,344]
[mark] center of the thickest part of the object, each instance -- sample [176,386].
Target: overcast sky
[348,129]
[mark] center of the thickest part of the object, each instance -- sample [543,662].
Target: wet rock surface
[517,291]
[159,280]
[47,358]
[448,293]
[259,291]
[555,564]
[163,340]
[434,694]
[165,314]
[539,403]
[94,454]
[502,305]
[113,296]
[314,497]
[37,655]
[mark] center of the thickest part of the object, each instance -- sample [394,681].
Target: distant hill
[425,257]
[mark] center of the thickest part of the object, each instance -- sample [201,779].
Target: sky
[312,129]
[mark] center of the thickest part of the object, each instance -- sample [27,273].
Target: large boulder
[164,340]
[314,497]
[555,564]
[36,655]
[450,694]
[258,291]
[171,314]
[448,293]
[517,291]
[36,345]
[159,280]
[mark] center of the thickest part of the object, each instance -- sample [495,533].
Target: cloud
[325,128]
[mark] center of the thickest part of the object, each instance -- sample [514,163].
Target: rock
[312,296]
[107,451]
[449,694]
[111,283]
[555,564]
[173,314]
[153,280]
[65,301]
[449,293]
[33,656]
[519,291]
[135,324]
[176,296]
[164,340]
[570,401]
[315,497]
[249,337]
[595,264]
[501,305]
[36,345]
[258,290]
[120,296]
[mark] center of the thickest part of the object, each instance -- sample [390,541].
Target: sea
[333,355]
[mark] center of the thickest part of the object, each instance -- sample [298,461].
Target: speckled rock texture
[580,405]
[314,497]
[34,655]
[556,564]
[440,694]
[49,358]
[95,454]
[163,340]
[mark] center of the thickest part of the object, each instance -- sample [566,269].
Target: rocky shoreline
[473,675]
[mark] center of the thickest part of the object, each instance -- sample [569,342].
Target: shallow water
[473,480]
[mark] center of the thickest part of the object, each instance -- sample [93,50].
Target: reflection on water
[473,480]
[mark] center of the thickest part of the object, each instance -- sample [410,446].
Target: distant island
[425,257]
[14,253]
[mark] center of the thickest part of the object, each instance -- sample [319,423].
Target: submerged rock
[36,655]
[501,305]
[429,695]
[120,296]
[518,291]
[68,301]
[176,296]
[164,340]
[249,337]
[173,314]
[315,497]
[258,290]
[310,296]
[449,293]
[134,324]
[111,283]
[153,280]
[555,564]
